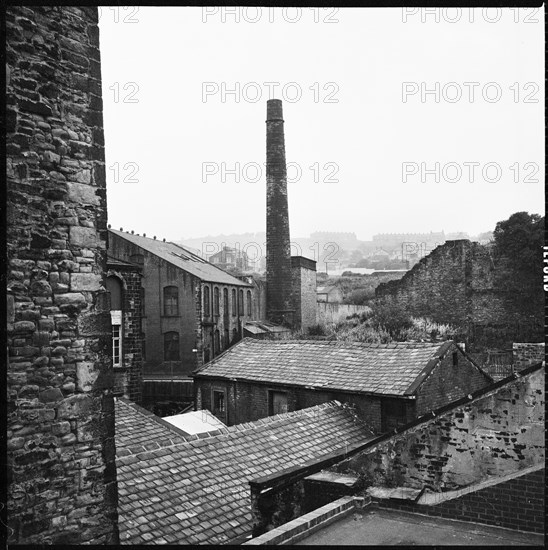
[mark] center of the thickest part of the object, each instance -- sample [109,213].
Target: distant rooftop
[387,369]
[194,490]
[181,257]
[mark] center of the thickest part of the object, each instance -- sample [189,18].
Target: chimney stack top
[274,110]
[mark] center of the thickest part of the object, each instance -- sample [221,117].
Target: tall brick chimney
[278,248]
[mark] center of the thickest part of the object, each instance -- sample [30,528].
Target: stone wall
[496,434]
[60,413]
[303,292]
[466,285]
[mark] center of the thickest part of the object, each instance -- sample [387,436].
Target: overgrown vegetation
[386,323]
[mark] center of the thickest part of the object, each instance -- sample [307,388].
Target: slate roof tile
[172,495]
[352,366]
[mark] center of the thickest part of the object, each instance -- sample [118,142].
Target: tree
[519,239]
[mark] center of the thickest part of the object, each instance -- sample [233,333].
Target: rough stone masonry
[60,415]
[278,247]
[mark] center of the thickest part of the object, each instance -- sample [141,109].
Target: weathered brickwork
[494,435]
[514,504]
[303,292]
[466,285]
[60,425]
[454,378]
[278,248]
[524,355]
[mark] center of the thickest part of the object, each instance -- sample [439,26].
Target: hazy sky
[362,130]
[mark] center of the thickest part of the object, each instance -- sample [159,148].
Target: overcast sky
[360,138]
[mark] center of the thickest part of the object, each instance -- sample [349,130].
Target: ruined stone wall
[494,435]
[466,285]
[60,423]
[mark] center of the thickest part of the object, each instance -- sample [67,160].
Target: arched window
[234,303]
[226,343]
[171,300]
[207,306]
[241,303]
[216,301]
[114,286]
[249,304]
[225,301]
[171,346]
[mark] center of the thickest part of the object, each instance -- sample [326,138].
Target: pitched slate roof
[192,490]
[181,257]
[387,369]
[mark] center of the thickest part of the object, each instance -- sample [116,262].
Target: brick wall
[524,355]
[448,382]
[60,414]
[465,284]
[514,504]
[494,435]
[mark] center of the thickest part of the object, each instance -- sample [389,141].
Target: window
[114,287]
[241,303]
[171,346]
[171,300]
[277,402]
[249,304]
[217,342]
[116,346]
[219,404]
[234,305]
[234,335]
[207,307]
[455,359]
[226,343]
[215,301]
[225,301]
